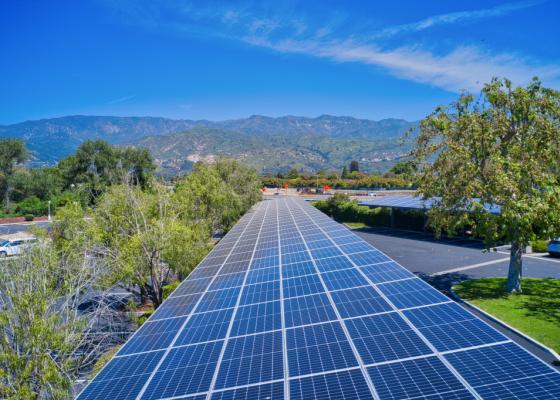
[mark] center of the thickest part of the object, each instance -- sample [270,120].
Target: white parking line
[535,257]
[472,266]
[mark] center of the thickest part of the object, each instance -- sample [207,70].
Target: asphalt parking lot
[446,262]
[6,229]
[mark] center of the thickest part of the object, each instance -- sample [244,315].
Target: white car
[553,247]
[15,247]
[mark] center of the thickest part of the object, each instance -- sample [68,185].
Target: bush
[28,217]
[168,289]
[32,205]
[539,246]
[342,209]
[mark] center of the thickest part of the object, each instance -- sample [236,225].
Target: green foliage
[342,209]
[29,217]
[354,166]
[407,168]
[357,181]
[169,288]
[33,206]
[103,360]
[539,246]
[97,165]
[12,152]
[535,312]
[41,330]
[502,149]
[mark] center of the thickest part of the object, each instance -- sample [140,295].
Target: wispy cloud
[456,17]
[465,67]
[121,99]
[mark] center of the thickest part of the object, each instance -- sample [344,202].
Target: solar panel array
[412,203]
[291,304]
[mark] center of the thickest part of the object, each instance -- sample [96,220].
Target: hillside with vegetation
[268,144]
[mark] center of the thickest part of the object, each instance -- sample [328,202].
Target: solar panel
[290,304]
[415,203]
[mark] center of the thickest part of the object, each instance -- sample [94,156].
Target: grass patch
[535,312]
[356,225]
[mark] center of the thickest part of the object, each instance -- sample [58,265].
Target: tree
[46,334]
[354,166]
[145,237]
[345,174]
[97,165]
[12,152]
[293,173]
[502,149]
[407,168]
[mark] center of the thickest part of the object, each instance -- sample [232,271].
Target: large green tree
[503,149]
[97,165]
[12,152]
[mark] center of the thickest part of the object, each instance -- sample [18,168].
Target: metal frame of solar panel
[290,304]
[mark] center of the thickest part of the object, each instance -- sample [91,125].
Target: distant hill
[270,144]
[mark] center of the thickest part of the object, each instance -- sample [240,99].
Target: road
[6,229]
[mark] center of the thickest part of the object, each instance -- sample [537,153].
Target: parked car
[15,247]
[553,247]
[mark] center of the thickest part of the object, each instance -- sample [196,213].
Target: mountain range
[269,144]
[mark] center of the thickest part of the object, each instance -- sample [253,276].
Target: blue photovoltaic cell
[218,300]
[260,293]
[176,306]
[307,310]
[411,293]
[359,301]
[271,391]
[535,388]
[298,269]
[345,385]
[318,348]
[126,388]
[251,359]
[416,378]
[493,364]
[458,335]
[256,318]
[385,337]
[333,264]
[227,281]
[184,371]
[344,279]
[138,364]
[153,335]
[292,304]
[303,285]
[386,272]
[204,327]
[368,258]
[263,275]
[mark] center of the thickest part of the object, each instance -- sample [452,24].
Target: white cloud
[466,67]
[121,99]
[451,18]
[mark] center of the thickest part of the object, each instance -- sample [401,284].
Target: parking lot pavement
[6,229]
[446,262]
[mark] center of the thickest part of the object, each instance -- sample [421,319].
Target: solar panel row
[291,304]
[416,203]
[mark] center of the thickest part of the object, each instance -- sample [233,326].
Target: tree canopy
[502,149]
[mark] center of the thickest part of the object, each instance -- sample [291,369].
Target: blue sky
[221,60]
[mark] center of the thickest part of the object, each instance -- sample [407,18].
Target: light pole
[49,217]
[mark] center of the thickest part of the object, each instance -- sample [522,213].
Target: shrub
[539,246]
[168,289]
[28,217]
[32,205]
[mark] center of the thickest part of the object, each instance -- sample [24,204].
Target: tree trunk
[515,268]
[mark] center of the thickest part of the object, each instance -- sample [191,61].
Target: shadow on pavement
[425,237]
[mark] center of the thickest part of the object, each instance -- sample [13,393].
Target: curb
[459,299]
